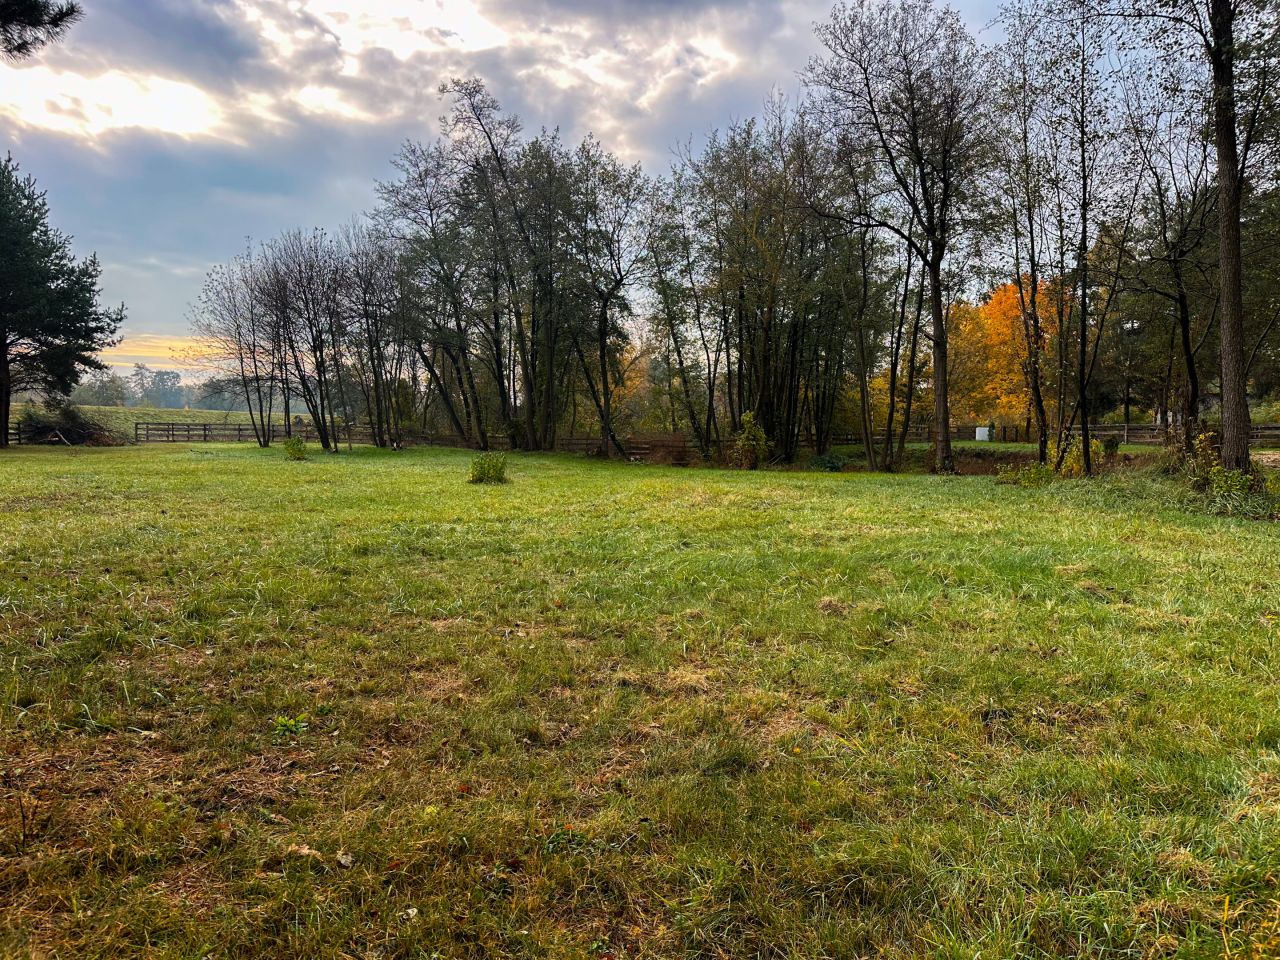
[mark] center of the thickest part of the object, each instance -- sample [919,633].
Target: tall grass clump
[489,468]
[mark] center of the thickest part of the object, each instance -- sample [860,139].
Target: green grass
[358,707]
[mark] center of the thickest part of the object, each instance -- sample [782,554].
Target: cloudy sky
[168,132]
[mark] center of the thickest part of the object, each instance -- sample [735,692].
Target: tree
[52,324]
[1239,43]
[27,25]
[611,242]
[240,337]
[906,85]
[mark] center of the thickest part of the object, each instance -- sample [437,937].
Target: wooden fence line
[675,448]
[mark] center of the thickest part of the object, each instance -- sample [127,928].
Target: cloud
[169,131]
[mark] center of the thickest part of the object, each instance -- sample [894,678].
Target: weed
[285,727]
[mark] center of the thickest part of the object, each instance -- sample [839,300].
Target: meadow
[356,707]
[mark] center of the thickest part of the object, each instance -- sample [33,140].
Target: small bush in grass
[750,445]
[1235,493]
[295,448]
[1111,446]
[831,461]
[489,468]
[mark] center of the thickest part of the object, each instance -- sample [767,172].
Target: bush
[1200,463]
[489,468]
[1111,446]
[62,423]
[750,445]
[831,462]
[295,448]
[1027,475]
[1073,461]
[1228,493]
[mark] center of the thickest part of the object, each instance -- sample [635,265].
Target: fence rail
[152,432]
[673,448]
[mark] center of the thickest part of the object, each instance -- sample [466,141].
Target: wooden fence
[669,448]
[150,432]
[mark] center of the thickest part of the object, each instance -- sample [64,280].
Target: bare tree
[235,332]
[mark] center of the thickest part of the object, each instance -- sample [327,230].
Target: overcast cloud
[168,133]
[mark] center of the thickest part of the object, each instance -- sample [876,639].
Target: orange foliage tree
[988,373]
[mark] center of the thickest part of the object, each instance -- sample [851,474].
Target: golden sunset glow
[155,350]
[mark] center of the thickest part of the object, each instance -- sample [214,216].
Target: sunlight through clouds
[218,122]
[88,106]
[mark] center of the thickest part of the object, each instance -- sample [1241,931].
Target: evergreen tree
[27,25]
[51,321]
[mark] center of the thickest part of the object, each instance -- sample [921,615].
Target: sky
[171,133]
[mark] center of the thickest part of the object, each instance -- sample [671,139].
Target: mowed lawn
[356,707]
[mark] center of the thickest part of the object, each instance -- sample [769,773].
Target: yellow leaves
[989,354]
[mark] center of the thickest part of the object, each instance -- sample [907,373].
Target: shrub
[1228,493]
[1027,475]
[295,448]
[1200,464]
[62,423]
[489,468]
[1111,446]
[830,461]
[750,445]
[1073,461]
[1229,483]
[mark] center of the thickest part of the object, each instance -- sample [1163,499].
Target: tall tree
[907,86]
[52,323]
[1239,43]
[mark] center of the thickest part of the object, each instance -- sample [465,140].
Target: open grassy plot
[356,707]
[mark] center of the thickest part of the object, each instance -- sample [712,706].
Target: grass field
[355,707]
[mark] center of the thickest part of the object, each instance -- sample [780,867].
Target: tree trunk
[911,374]
[943,459]
[1235,400]
[1191,398]
[6,395]
[606,413]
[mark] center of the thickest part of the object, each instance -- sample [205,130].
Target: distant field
[120,420]
[355,707]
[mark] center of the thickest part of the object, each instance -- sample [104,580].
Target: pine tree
[27,25]
[51,321]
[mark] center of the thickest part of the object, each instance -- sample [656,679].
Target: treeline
[1077,221]
[163,389]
